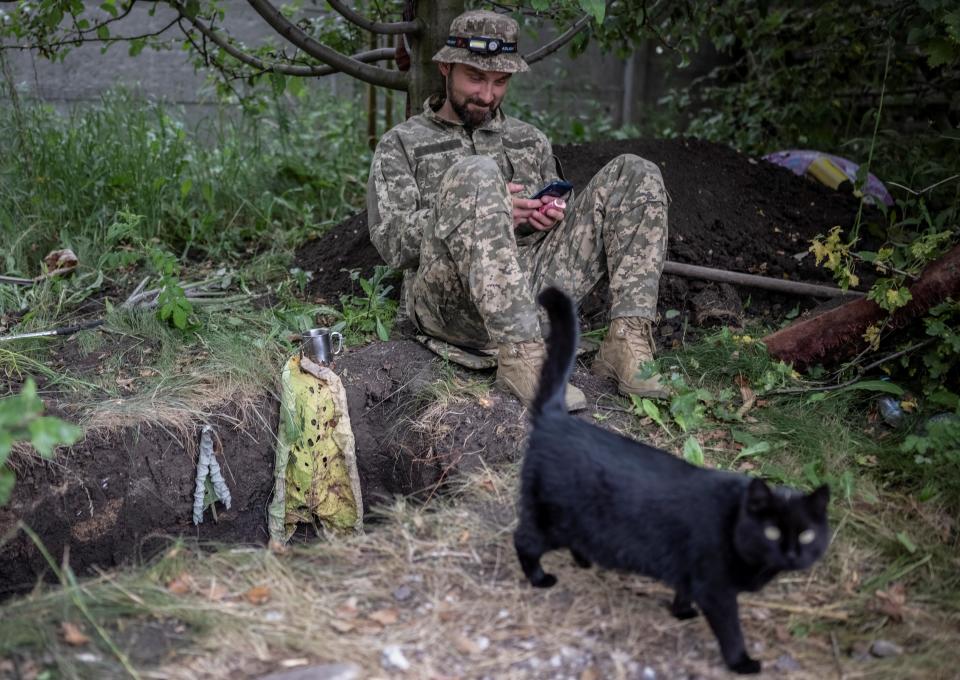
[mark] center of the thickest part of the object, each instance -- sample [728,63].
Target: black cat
[709,534]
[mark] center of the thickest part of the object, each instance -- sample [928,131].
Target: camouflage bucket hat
[484,40]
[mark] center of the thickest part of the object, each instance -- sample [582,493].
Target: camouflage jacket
[411,159]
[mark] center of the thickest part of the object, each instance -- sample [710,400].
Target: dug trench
[122,492]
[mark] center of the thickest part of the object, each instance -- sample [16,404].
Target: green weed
[362,316]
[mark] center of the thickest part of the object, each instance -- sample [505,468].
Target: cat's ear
[818,500]
[759,497]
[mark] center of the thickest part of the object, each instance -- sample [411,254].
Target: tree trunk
[435,18]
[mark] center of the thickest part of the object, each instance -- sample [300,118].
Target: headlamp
[482,45]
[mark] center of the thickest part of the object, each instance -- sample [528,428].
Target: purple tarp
[798,160]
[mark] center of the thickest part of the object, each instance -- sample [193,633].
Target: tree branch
[80,38]
[214,36]
[409,27]
[559,41]
[396,80]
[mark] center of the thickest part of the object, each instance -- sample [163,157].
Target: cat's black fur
[623,505]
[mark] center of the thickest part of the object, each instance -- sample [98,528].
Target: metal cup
[317,345]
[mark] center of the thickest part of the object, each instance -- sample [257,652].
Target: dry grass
[441,582]
[174,406]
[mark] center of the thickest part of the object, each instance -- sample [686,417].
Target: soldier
[448,203]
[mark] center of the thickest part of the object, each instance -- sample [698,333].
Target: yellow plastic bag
[315,474]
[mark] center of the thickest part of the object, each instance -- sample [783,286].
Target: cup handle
[339,339]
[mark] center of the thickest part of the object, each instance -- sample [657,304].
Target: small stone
[556,661]
[786,663]
[649,673]
[884,648]
[393,658]
[402,593]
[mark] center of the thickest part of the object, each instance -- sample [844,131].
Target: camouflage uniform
[438,207]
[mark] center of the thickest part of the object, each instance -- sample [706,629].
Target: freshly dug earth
[728,211]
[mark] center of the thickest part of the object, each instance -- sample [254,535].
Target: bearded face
[475,95]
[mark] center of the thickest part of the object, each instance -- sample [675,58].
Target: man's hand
[526,210]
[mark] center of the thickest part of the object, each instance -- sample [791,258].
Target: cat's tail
[561,352]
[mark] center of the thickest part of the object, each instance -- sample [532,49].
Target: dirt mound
[728,211]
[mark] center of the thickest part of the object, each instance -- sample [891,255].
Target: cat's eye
[806,537]
[772,533]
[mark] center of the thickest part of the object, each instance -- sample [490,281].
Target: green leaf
[367,287]
[382,330]
[103,32]
[906,542]
[753,450]
[192,8]
[875,386]
[650,409]
[47,432]
[596,8]
[671,314]
[940,52]
[278,82]
[180,317]
[136,46]
[692,451]
[952,22]
[6,484]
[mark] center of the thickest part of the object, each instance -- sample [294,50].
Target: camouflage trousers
[477,282]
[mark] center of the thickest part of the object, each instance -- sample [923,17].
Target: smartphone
[556,189]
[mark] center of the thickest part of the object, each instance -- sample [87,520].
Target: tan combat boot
[628,345]
[518,372]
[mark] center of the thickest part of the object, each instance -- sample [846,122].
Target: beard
[475,118]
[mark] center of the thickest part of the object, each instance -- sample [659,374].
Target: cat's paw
[746,666]
[684,612]
[545,581]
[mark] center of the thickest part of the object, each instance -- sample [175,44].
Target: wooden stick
[692,271]
[819,612]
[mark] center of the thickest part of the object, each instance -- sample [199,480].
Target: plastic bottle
[890,411]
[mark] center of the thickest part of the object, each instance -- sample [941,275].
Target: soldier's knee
[633,164]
